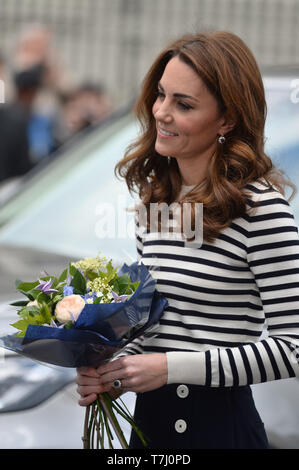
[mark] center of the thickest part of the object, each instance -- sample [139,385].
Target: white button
[182,391]
[180,425]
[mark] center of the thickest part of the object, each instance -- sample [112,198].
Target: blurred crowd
[43,109]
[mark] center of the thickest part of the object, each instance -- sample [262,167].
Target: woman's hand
[137,373]
[89,386]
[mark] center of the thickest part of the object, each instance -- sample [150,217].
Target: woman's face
[186,114]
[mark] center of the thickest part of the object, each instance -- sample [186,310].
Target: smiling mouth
[166,133]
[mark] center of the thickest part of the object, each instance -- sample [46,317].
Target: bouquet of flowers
[83,318]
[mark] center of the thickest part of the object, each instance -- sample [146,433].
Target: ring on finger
[117,383]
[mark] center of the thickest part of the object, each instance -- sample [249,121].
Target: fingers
[122,369]
[90,393]
[87,371]
[92,381]
[88,400]
[110,377]
[89,385]
[87,380]
[118,364]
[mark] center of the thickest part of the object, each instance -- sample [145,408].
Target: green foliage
[32,316]
[111,273]
[78,281]
[26,286]
[63,276]
[19,303]
[123,285]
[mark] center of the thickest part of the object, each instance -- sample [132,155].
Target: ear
[227,125]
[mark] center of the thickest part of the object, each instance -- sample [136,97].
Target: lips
[166,133]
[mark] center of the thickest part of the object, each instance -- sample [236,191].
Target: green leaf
[63,276]
[134,285]
[72,270]
[26,321]
[78,283]
[19,303]
[91,275]
[57,298]
[26,286]
[32,315]
[20,325]
[43,298]
[46,313]
[28,295]
[32,294]
[111,272]
[17,282]
[25,312]
[121,284]
[20,334]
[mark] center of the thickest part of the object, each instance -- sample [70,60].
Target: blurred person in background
[39,81]
[86,107]
[14,145]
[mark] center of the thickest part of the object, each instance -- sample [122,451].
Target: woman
[202,110]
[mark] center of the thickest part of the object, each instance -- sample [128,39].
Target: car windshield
[76,206]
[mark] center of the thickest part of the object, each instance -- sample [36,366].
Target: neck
[192,176]
[194,170]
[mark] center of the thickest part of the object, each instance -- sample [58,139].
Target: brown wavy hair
[230,72]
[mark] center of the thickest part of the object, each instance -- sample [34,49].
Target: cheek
[197,127]
[188,128]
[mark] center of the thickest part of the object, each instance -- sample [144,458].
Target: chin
[162,151]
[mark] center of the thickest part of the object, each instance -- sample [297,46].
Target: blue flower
[90,297]
[68,290]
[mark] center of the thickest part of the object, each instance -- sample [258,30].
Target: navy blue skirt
[180,416]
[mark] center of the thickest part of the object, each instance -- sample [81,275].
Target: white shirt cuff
[186,367]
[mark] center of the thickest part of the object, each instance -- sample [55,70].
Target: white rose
[69,308]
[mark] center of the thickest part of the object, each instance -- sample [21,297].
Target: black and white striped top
[223,294]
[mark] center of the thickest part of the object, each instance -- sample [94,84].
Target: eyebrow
[178,95]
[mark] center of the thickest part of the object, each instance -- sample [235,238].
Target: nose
[162,111]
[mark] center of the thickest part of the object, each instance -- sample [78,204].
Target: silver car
[74,207]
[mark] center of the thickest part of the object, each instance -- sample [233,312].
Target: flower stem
[85,438]
[97,419]
[124,412]
[106,403]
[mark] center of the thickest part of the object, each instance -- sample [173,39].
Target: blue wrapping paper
[100,331]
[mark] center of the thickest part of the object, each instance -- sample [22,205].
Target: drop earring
[221,139]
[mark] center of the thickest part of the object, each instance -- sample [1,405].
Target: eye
[184,106]
[160,94]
